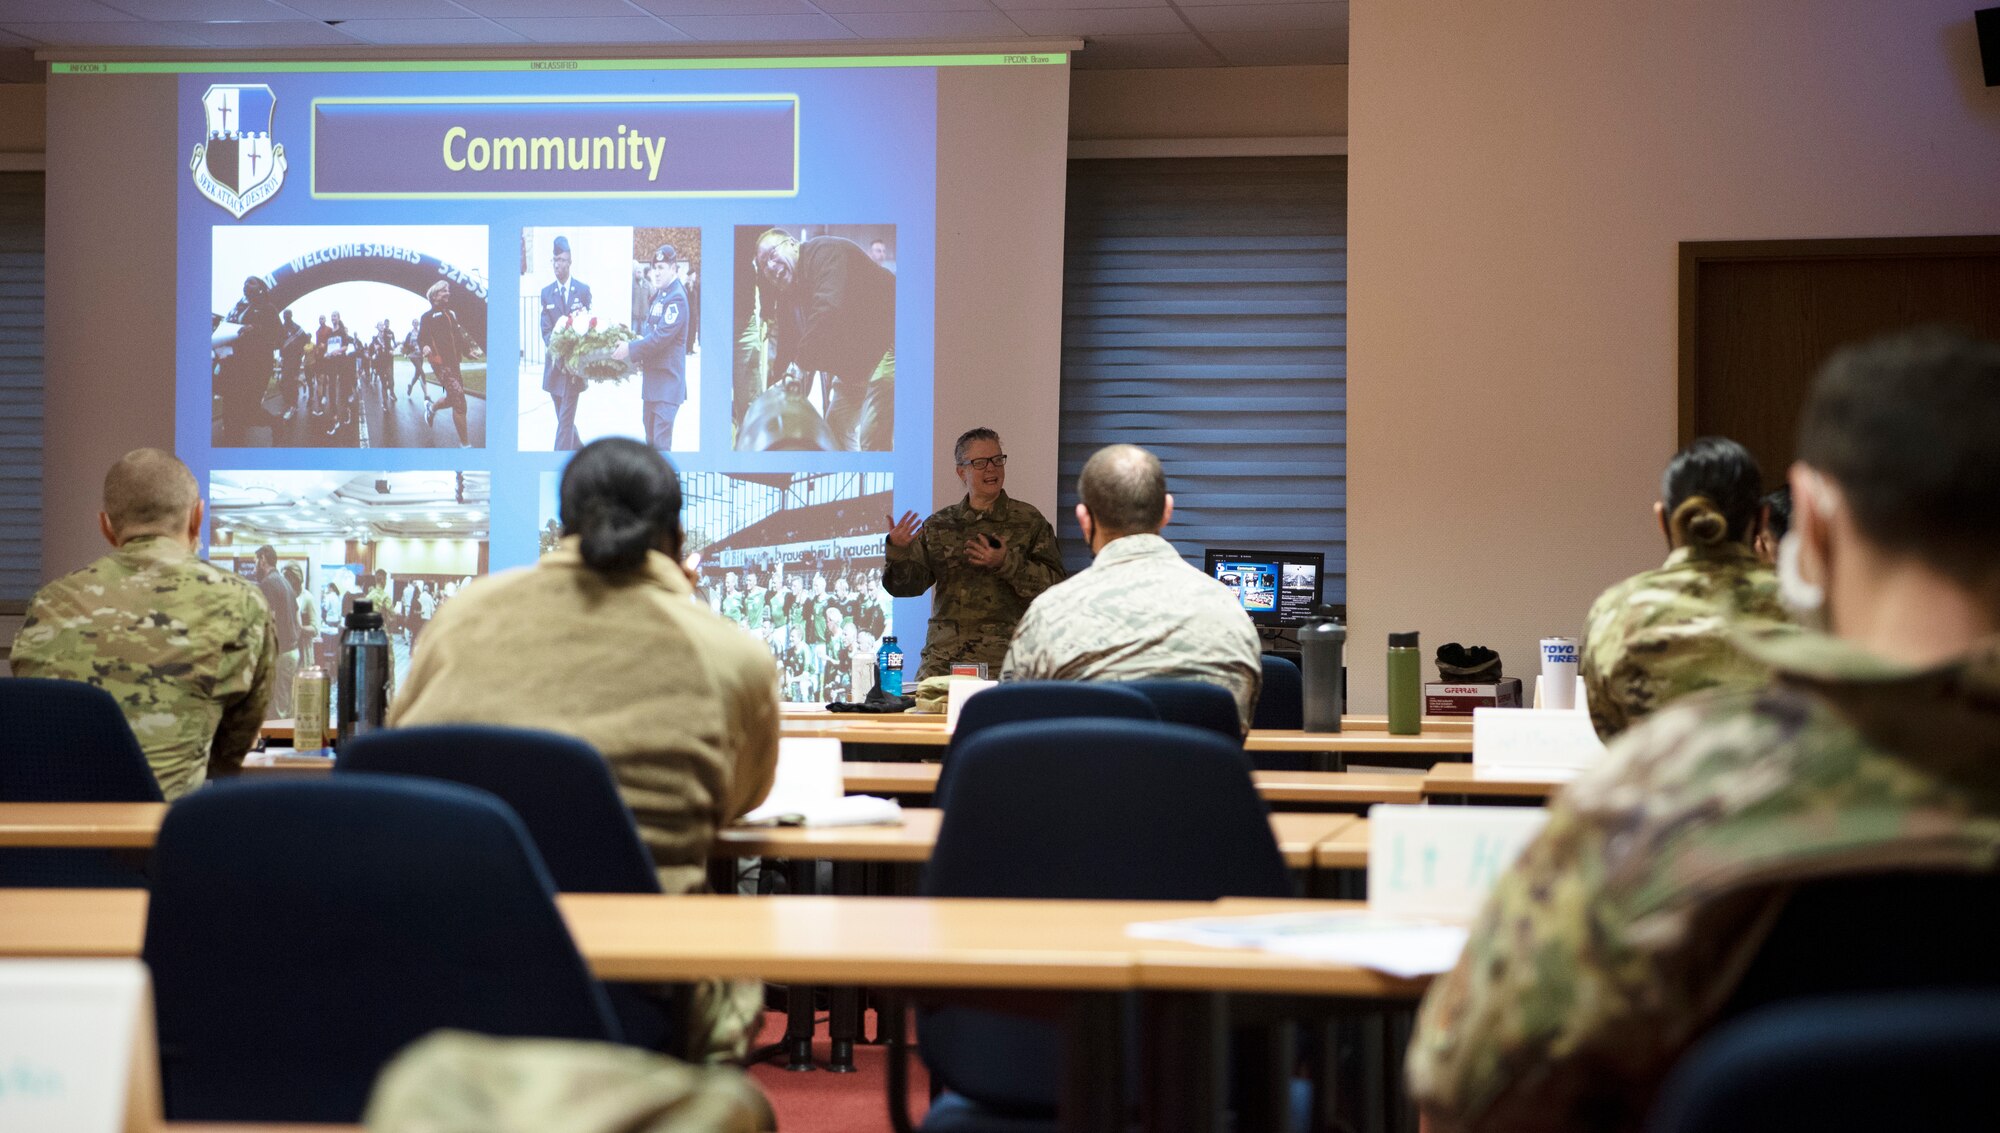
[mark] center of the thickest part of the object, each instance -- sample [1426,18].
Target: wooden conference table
[1472,782]
[1079,950]
[137,825]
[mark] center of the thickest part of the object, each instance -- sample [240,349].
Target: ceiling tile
[379,9]
[57,11]
[628,31]
[264,33]
[430,33]
[132,34]
[876,7]
[1269,17]
[1072,5]
[927,25]
[1281,48]
[201,11]
[671,8]
[551,9]
[10,39]
[1118,51]
[729,29]
[1100,21]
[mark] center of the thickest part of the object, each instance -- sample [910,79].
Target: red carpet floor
[817,1101]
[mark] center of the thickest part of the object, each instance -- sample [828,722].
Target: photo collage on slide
[471,324]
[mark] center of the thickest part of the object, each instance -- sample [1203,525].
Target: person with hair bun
[1660,635]
[602,639]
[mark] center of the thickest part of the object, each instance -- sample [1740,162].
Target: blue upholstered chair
[1844,1064]
[1281,702]
[68,742]
[559,785]
[1086,809]
[1019,701]
[1197,704]
[301,933]
[564,793]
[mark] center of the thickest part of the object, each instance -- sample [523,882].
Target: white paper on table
[847,810]
[1399,945]
[807,776]
[1534,737]
[960,690]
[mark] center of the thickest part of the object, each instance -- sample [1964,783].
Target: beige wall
[1521,176]
[1209,102]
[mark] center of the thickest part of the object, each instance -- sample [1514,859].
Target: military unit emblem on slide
[238,167]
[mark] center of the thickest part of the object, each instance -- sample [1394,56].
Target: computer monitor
[1276,588]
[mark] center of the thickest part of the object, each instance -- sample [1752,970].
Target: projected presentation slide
[795,558]
[816,331]
[609,339]
[463,272]
[406,541]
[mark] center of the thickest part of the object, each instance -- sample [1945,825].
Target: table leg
[1186,1048]
[799,1024]
[1093,1089]
[844,1003]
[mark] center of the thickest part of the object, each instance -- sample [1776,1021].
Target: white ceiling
[1116,33]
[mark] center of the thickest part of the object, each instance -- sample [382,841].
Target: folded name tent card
[1441,861]
[1534,738]
[807,790]
[76,1047]
[960,690]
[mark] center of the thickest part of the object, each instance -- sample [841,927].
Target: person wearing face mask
[1660,635]
[989,555]
[1624,929]
[1139,612]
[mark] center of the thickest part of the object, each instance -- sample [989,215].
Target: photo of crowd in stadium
[794,558]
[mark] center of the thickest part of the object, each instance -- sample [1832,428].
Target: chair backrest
[1197,704]
[68,742]
[301,933]
[559,786]
[1019,701]
[1281,702]
[1843,1064]
[1104,809]
[1897,931]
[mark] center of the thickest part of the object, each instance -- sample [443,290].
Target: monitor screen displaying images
[1276,588]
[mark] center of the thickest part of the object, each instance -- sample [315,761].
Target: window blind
[20,388]
[1205,319]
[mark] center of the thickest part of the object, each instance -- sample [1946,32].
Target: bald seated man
[1138,612]
[186,649]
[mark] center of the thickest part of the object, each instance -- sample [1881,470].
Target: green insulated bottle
[1406,691]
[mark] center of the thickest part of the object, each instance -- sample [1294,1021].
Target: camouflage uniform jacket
[1660,635]
[974,612]
[1140,613]
[1627,923]
[185,648]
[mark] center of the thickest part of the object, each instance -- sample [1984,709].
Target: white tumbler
[1559,672]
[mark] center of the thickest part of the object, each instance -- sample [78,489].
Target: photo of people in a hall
[794,558]
[815,357]
[403,541]
[338,337]
[608,336]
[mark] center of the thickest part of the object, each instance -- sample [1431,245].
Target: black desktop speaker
[1987,21]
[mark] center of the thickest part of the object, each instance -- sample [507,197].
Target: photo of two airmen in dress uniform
[609,336]
[815,358]
[348,337]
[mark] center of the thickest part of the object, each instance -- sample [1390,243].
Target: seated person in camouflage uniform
[1660,635]
[186,649]
[988,555]
[1625,926]
[1139,612]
